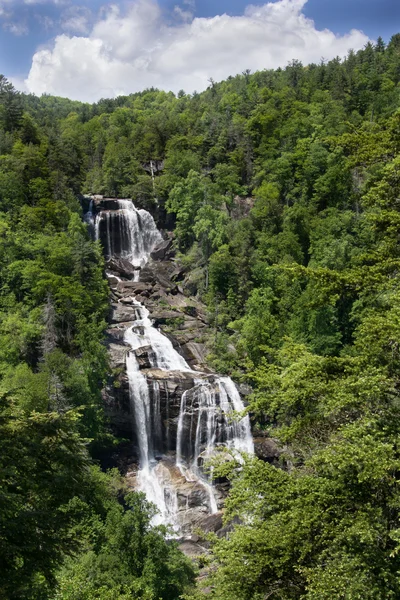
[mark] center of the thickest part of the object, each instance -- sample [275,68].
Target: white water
[208,419]
[206,412]
[238,432]
[188,462]
[129,233]
[89,216]
[142,333]
[150,479]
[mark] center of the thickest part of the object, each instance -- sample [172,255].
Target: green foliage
[10,106]
[283,188]
[43,466]
[125,557]
[67,530]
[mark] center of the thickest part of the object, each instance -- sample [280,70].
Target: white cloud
[76,19]
[16,28]
[77,24]
[46,22]
[186,14]
[56,2]
[129,51]
[5,6]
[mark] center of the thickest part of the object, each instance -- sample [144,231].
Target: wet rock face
[111,233]
[117,409]
[183,320]
[191,499]
[166,390]
[166,387]
[135,288]
[180,418]
[144,356]
[102,203]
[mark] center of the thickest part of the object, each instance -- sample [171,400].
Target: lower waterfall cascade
[207,411]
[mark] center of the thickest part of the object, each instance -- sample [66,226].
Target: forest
[282,188]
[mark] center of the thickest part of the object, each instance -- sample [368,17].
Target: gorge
[176,412]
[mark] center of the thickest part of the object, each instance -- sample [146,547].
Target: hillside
[282,192]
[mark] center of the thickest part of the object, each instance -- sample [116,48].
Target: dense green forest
[283,189]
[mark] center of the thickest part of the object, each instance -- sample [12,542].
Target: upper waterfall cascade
[207,410]
[129,232]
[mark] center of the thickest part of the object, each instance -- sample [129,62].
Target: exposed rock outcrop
[122,267]
[174,414]
[163,250]
[184,322]
[267,449]
[182,319]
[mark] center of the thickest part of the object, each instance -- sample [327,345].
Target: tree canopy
[282,188]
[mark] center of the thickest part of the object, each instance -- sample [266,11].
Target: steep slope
[176,415]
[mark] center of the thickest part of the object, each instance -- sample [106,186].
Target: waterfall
[128,232]
[89,218]
[207,419]
[207,410]
[147,417]
[142,334]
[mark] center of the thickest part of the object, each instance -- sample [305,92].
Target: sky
[88,49]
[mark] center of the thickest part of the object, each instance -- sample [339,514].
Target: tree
[184,201]
[43,466]
[129,559]
[10,105]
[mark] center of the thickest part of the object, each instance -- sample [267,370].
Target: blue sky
[29,26]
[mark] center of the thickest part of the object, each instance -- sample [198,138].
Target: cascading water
[163,355]
[89,218]
[207,410]
[210,421]
[127,232]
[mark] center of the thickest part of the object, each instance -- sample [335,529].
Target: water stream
[206,410]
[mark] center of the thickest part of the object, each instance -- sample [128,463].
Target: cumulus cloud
[127,51]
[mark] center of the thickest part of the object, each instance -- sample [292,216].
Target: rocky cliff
[178,398]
